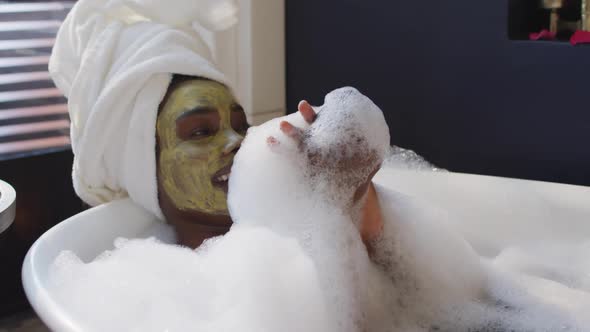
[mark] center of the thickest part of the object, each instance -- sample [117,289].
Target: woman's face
[199,129]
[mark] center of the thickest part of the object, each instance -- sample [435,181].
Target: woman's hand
[309,116]
[372,221]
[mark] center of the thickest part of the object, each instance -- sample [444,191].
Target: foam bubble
[249,280]
[400,158]
[311,190]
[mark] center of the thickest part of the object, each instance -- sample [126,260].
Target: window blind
[33,113]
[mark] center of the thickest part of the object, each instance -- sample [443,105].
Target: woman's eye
[198,133]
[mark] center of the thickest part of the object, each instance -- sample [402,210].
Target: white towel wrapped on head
[114,61]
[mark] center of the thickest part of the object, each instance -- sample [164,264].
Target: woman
[199,129]
[153,118]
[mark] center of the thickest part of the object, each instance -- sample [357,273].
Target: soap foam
[294,260]
[320,176]
[249,280]
[400,158]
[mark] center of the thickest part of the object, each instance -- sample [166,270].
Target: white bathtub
[491,212]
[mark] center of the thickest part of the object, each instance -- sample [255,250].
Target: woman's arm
[372,220]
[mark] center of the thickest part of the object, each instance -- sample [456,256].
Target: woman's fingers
[290,130]
[272,141]
[306,111]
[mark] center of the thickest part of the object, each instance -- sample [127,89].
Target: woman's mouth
[221,178]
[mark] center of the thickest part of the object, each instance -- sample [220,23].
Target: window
[33,113]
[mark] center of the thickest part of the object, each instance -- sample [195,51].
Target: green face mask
[199,129]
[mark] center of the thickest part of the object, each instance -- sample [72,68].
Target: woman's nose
[233,142]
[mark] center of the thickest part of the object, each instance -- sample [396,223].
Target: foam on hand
[308,191]
[294,259]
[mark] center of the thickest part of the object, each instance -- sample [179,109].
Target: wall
[452,84]
[252,54]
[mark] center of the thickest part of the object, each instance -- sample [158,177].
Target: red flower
[580,37]
[542,35]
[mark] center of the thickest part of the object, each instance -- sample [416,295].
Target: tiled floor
[26,322]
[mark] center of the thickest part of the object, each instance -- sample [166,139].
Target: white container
[7,205]
[491,212]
